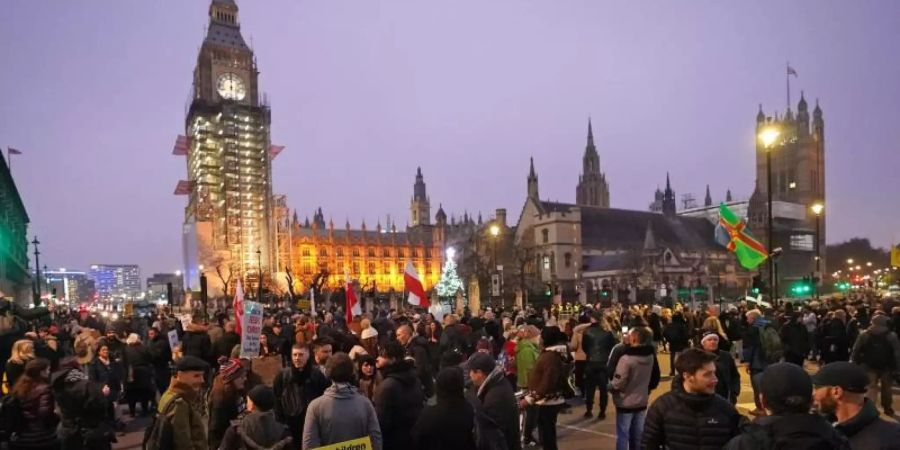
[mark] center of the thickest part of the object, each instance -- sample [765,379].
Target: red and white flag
[352,308]
[413,284]
[238,306]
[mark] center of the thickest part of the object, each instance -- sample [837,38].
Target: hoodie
[340,414]
[631,382]
[259,430]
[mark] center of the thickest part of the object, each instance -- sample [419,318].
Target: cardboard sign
[173,339]
[251,328]
[185,321]
[364,443]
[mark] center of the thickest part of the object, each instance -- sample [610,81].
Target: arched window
[545,235]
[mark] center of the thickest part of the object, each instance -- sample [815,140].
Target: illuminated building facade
[116,280]
[15,280]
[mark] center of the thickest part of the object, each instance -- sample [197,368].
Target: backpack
[160,434]
[877,352]
[770,342]
[10,417]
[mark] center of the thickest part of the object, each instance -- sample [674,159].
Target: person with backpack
[28,411]
[762,347]
[526,357]
[878,351]
[181,423]
[547,386]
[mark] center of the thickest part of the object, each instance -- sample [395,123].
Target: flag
[732,233]
[13,151]
[238,306]
[895,256]
[414,285]
[352,308]
[312,302]
[791,71]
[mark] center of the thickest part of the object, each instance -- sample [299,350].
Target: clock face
[231,87]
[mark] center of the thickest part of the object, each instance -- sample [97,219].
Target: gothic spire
[728,195]
[590,137]
[533,182]
[708,200]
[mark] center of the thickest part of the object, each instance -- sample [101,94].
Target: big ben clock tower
[227,231]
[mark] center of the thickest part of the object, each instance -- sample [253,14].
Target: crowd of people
[487,379]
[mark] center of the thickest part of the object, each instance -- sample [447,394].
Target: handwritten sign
[251,328]
[364,443]
[173,339]
[185,321]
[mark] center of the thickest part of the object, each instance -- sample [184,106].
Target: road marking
[589,431]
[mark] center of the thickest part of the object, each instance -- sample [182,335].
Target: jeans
[884,377]
[546,422]
[579,375]
[672,357]
[629,428]
[595,377]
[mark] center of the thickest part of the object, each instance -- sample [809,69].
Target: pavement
[573,431]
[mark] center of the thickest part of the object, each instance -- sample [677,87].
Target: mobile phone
[624,329]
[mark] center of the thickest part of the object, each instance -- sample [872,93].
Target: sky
[94,92]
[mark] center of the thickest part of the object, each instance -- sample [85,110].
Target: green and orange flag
[733,234]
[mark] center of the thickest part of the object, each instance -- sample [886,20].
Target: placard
[173,339]
[364,443]
[251,328]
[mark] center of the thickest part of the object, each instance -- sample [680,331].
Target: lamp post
[259,275]
[37,274]
[495,233]
[767,136]
[817,209]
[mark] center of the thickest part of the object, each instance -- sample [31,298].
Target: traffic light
[757,285]
[802,287]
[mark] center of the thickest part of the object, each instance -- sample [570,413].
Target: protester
[399,398]
[110,374]
[547,385]
[196,341]
[449,424]
[265,367]
[598,341]
[785,390]
[836,341]
[227,342]
[416,347]
[840,391]
[691,415]
[677,334]
[322,348]
[225,398]
[184,406]
[295,387]
[367,376]
[139,386]
[36,426]
[631,385]
[494,403]
[160,355]
[83,407]
[729,379]
[878,351]
[22,352]
[259,429]
[341,413]
[795,338]
[754,357]
[526,356]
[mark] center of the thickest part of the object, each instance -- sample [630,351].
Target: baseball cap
[846,375]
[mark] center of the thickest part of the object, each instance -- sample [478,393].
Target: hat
[263,397]
[190,363]
[785,386]
[846,375]
[709,334]
[481,361]
[230,368]
[369,333]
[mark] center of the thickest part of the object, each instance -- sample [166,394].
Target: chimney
[500,217]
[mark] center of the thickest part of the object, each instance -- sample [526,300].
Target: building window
[356,251]
[386,253]
[401,253]
[545,235]
[306,251]
[339,251]
[371,268]
[415,253]
[323,252]
[355,268]
[428,253]
[371,253]
[340,267]
[307,268]
[568,258]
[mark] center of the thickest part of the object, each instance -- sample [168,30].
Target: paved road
[574,432]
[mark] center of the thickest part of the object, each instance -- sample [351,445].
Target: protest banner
[363,443]
[173,339]
[251,326]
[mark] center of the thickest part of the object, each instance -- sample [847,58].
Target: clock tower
[228,220]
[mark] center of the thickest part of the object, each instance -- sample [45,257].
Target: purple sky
[93,92]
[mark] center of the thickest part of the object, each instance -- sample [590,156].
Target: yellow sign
[129,309]
[364,443]
[303,304]
[895,255]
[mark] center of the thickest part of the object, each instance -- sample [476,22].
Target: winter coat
[257,431]
[729,385]
[224,345]
[868,431]
[526,357]
[369,385]
[264,370]
[681,420]
[545,386]
[38,430]
[753,351]
[790,431]
[630,384]
[82,407]
[655,324]
[445,426]
[14,370]
[398,402]
[496,414]
[340,414]
[112,375]
[196,342]
[224,407]
[139,373]
[578,342]
[836,342]
[795,339]
[189,416]
[677,334]
[859,348]
[597,344]
[160,355]
[417,349]
[294,390]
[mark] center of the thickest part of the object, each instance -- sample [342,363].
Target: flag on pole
[13,151]
[352,308]
[732,233]
[413,284]
[791,71]
[312,302]
[238,306]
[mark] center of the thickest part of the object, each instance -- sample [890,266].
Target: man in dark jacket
[691,415]
[840,391]
[259,429]
[196,342]
[496,411]
[878,351]
[82,404]
[835,339]
[295,387]
[160,355]
[227,342]
[449,424]
[597,342]
[677,334]
[399,398]
[786,392]
[795,340]
[729,385]
[416,347]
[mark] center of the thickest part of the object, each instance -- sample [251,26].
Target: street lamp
[767,136]
[37,274]
[868,264]
[818,208]
[259,275]
[495,233]
[850,261]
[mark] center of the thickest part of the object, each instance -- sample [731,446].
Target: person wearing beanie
[185,405]
[225,398]
[840,392]
[447,425]
[692,415]
[259,429]
[785,392]
[399,398]
[494,402]
[877,350]
[729,379]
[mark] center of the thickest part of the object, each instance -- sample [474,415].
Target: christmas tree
[450,282]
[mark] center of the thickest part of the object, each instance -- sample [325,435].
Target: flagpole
[787,77]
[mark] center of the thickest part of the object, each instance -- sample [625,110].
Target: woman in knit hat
[226,398]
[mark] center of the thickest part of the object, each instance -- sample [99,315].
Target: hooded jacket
[526,358]
[81,403]
[867,430]
[789,431]
[258,430]
[681,420]
[630,384]
[398,402]
[340,414]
